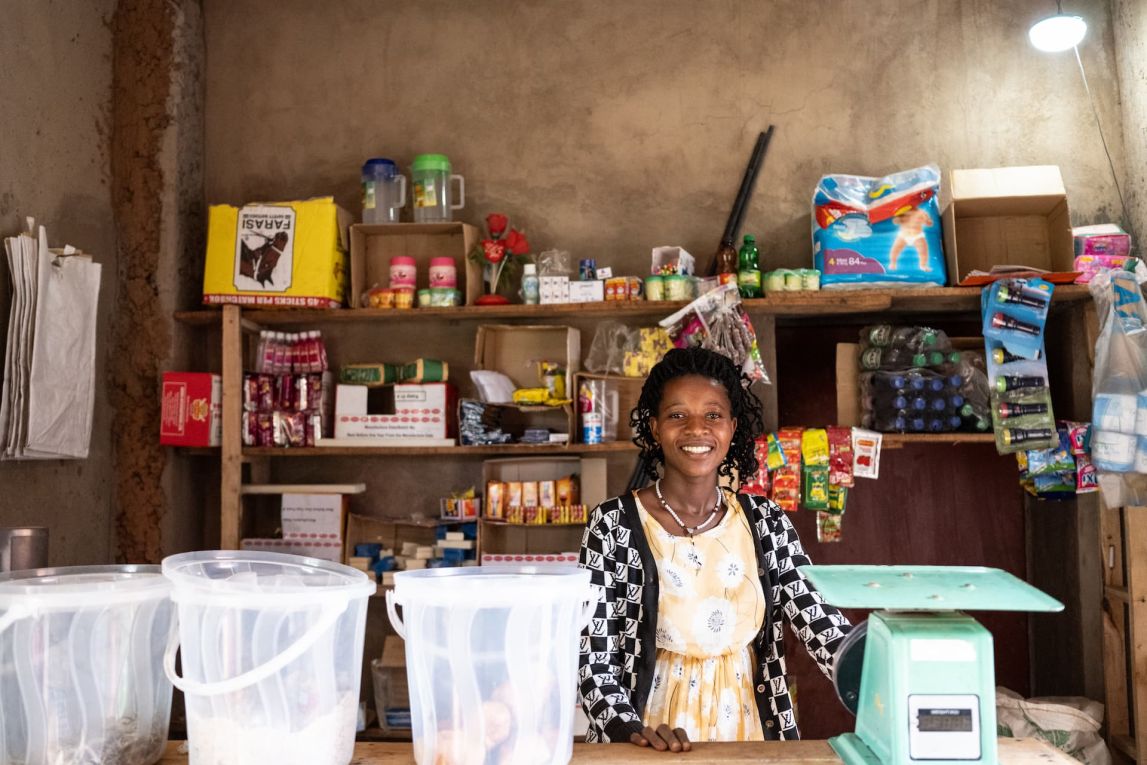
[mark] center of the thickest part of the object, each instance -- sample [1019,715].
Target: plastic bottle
[749,268]
[894,357]
[530,293]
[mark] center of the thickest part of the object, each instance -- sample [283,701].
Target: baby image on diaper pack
[879,232]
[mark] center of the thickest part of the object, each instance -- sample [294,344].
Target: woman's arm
[819,626]
[602,657]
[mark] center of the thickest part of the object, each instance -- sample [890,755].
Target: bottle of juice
[749,269]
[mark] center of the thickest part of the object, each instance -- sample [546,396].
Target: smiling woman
[698,581]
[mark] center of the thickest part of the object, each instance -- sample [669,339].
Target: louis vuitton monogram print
[618,647]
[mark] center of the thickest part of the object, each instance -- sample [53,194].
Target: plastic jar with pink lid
[443,273]
[403,272]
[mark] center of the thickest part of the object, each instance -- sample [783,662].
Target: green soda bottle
[749,269]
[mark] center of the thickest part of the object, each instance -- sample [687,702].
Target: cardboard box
[587,292]
[515,350]
[289,254]
[1006,216]
[396,412]
[390,533]
[590,471]
[323,549]
[313,516]
[373,245]
[191,412]
[530,559]
[554,289]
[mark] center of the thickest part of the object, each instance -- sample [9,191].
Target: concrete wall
[1130,24]
[56,94]
[610,128]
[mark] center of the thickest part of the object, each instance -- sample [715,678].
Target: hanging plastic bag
[610,343]
[717,321]
[1119,388]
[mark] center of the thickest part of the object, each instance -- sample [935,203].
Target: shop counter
[1013,751]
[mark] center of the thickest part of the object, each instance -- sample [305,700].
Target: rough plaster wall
[180,258]
[1130,24]
[611,128]
[56,95]
[147,201]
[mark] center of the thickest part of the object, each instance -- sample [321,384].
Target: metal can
[587,269]
[591,423]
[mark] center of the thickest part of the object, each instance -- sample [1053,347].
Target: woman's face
[694,425]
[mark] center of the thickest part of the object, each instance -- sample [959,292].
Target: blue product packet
[1014,312]
[870,232]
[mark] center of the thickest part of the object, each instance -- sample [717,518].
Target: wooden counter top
[1022,751]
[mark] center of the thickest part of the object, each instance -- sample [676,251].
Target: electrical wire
[1103,140]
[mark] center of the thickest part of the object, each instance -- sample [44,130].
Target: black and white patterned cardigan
[618,648]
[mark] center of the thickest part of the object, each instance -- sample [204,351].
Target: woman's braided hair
[745,406]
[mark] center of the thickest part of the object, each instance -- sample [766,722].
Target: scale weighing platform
[919,674]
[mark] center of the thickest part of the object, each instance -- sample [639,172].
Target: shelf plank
[816,303]
[452,451]
[900,440]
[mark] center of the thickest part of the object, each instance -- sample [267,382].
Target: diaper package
[879,232]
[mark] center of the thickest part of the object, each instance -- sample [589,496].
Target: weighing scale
[919,674]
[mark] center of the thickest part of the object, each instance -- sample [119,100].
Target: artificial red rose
[516,242]
[496,224]
[493,251]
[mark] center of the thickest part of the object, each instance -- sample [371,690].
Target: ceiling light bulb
[1057,33]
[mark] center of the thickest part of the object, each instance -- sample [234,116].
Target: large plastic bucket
[81,666]
[491,660]
[272,656]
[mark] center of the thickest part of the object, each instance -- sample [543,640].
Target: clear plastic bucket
[81,666]
[491,660]
[272,656]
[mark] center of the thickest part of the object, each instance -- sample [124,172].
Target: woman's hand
[663,739]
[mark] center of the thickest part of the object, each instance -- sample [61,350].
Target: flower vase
[490,274]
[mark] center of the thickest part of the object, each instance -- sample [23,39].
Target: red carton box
[192,409]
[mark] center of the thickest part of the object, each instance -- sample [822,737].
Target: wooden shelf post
[231,471]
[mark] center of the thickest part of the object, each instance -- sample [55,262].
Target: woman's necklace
[688,531]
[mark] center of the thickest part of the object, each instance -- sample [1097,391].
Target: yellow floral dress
[710,607]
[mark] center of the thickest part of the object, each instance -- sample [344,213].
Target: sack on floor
[1069,723]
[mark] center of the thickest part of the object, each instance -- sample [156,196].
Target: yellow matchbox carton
[277,254]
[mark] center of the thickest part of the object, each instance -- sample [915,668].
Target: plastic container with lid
[383,191]
[403,272]
[272,656]
[491,657]
[431,177]
[81,665]
[443,273]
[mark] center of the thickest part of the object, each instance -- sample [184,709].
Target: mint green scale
[927,689]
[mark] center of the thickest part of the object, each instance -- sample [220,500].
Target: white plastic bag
[1070,723]
[1119,388]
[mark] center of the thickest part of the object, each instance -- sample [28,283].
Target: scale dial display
[944,727]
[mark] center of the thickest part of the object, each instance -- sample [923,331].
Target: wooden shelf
[900,440]
[497,450]
[954,300]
